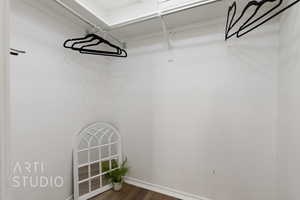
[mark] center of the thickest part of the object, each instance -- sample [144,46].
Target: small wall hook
[16,52]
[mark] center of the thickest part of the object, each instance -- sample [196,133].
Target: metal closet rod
[164,13]
[73,12]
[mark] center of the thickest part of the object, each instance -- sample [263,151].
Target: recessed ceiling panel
[139,30]
[196,15]
[169,4]
[110,6]
[132,12]
[117,11]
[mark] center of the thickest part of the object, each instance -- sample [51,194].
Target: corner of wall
[4,95]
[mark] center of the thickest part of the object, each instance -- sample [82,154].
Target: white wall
[54,93]
[289,105]
[4,139]
[202,117]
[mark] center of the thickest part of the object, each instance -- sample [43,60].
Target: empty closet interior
[200,96]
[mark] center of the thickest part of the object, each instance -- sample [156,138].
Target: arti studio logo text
[33,175]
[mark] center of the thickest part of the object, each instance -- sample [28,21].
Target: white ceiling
[111,15]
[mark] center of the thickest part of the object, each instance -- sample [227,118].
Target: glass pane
[114,138]
[114,163]
[104,152]
[105,138]
[87,136]
[94,142]
[83,173]
[83,157]
[92,131]
[83,145]
[100,133]
[105,166]
[83,188]
[114,149]
[94,155]
[105,180]
[95,169]
[95,183]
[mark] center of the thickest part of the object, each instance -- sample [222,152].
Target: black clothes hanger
[101,40]
[249,25]
[233,8]
[119,53]
[72,40]
[92,38]
[85,49]
[123,54]
[251,20]
[88,41]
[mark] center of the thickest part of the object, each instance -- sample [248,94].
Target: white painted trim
[4,99]
[70,198]
[96,192]
[160,189]
[163,189]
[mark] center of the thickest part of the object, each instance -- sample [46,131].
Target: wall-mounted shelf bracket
[165,32]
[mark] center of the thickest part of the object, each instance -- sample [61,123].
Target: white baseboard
[160,189]
[163,190]
[70,198]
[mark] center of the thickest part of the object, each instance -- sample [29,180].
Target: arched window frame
[93,130]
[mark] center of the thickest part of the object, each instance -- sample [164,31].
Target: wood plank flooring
[130,192]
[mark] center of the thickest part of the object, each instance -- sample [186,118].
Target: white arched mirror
[97,148]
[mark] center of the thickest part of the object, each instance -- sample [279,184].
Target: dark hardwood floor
[130,192]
